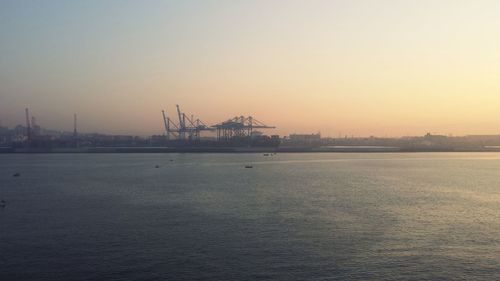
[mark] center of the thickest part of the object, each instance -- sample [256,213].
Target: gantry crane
[186,129]
[238,127]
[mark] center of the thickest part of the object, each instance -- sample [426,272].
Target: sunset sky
[383,68]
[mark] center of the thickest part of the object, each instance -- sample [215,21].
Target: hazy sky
[385,68]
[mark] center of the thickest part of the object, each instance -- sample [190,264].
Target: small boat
[157,166]
[2,203]
[266,154]
[248,166]
[16,175]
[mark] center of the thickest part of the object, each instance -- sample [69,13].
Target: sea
[289,216]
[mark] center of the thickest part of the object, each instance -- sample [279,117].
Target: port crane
[238,127]
[187,128]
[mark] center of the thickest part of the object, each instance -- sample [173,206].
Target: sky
[351,67]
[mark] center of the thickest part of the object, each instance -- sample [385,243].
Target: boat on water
[248,166]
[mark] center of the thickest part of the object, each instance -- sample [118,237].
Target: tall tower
[75,132]
[28,126]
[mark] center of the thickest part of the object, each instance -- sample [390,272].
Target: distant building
[304,139]
[20,130]
[4,131]
[36,130]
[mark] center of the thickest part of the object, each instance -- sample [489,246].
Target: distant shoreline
[330,149]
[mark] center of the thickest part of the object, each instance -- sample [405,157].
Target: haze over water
[426,216]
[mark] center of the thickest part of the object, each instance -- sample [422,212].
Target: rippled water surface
[422,216]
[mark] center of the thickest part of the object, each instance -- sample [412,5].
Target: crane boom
[181,124]
[165,121]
